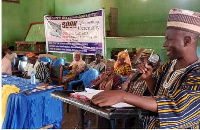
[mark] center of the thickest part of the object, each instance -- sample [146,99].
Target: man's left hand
[108,98]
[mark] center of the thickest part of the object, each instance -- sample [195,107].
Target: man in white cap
[175,86]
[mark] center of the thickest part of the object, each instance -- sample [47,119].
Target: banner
[84,33]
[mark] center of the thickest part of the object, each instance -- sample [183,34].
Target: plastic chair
[15,63]
[81,74]
[24,58]
[59,61]
[56,74]
[46,59]
[124,79]
[65,72]
[85,79]
[56,71]
[21,67]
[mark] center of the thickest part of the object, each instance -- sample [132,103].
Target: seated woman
[98,63]
[76,67]
[123,65]
[107,80]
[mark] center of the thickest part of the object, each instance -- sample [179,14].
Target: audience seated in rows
[123,64]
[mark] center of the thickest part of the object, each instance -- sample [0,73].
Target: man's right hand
[145,69]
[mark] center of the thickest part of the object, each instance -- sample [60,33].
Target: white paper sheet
[89,93]
[121,105]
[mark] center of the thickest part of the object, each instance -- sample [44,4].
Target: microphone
[152,60]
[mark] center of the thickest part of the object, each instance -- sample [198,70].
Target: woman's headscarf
[80,63]
[31,54]
[123,54]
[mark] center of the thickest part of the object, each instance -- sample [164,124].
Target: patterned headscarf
[184,20]
[123,54]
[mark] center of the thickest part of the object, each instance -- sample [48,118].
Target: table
[23,47]
[31,111]
[107,112]
[23,53]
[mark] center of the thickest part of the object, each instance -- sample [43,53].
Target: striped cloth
[178,97]
[42,73]
[137,87]
[184,20]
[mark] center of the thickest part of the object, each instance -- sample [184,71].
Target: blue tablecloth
[31,111]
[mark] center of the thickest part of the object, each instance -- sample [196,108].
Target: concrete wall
[136,18]
[148,17]
[17,17]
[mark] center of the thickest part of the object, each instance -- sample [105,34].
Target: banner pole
[104,34]
[45,26]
